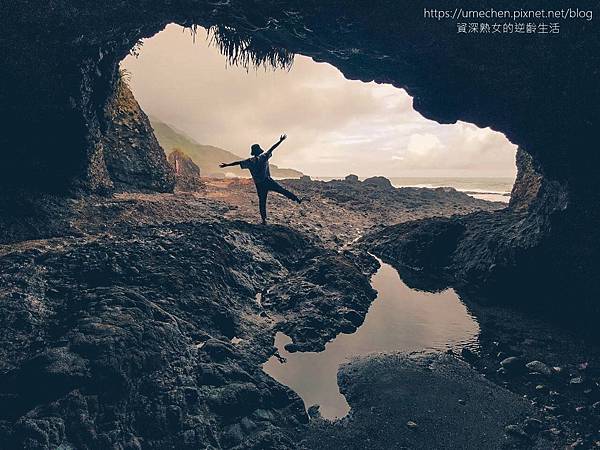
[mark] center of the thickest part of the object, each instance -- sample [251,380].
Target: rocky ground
[340,211]
[134,321]
[423,401]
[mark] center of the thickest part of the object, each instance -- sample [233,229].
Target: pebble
[513,364]
[576,381]
[538,366]
[314,412]
[555,395]
[578,443]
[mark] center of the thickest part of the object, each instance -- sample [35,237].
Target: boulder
[538,366]
[381,182]
[187,172]
[513,365]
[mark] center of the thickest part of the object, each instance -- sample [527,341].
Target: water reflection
[400,319]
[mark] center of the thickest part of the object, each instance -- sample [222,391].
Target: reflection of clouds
[399,320]
[334,125]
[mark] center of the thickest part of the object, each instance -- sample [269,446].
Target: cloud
[422,145]
[335,126]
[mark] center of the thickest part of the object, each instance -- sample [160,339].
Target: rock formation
[187,173]
[125,340]
[134,159]
[381,182]
[506,256]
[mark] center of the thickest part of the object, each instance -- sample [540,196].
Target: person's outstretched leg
[262,203]
[276,187]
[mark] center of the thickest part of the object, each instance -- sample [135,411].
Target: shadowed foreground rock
[126,340]
[424,402]
[118,319]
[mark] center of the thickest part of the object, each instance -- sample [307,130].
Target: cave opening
[141,313]
[200,103]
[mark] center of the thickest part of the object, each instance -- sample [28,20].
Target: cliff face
[527,184]
[539,90]
[134,159]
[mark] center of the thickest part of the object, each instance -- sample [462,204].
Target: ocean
[495,189]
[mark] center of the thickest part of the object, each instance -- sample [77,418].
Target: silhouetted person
[258,165]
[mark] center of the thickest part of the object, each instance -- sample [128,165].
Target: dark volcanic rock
[528,183]
[426,244]
[540,367]
[329,288]
[134,158]
[187,172]
[513,365]
[381,182]
[59,73]
[507,256]
[419,402]
[127,339]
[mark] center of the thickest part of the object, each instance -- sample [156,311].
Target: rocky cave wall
[133,157]
[541,91]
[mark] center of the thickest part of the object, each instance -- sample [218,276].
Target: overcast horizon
[334,126]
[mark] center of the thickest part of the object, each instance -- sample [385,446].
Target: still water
[400,319]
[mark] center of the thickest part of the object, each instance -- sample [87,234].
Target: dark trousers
[263,188]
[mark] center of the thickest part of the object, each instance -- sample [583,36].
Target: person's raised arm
[282,138]
[234,163]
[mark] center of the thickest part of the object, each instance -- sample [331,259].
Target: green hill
[207,157]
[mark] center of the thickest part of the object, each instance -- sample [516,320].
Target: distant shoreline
[484,188]
[493,189]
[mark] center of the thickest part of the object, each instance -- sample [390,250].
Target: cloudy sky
[334,126]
